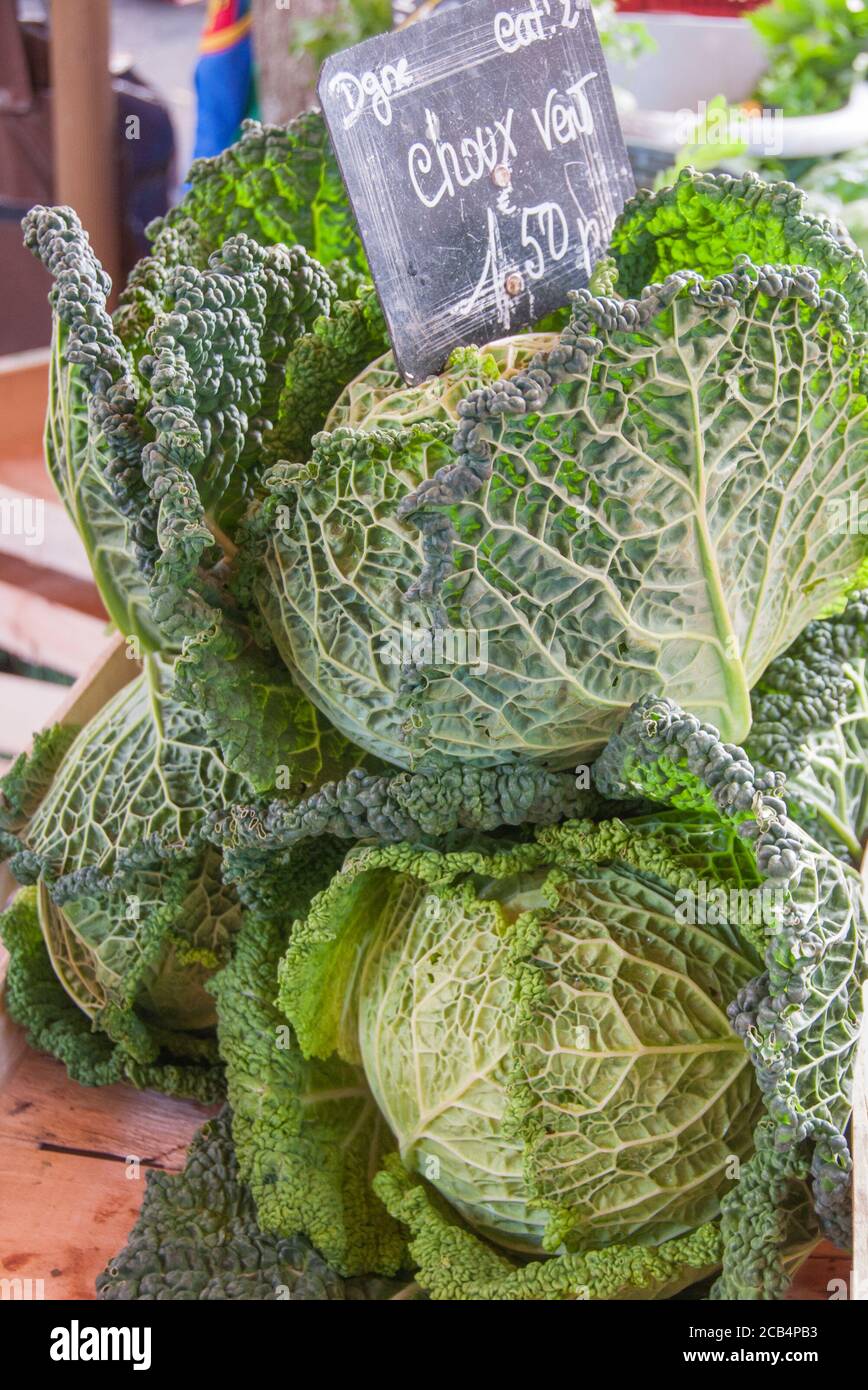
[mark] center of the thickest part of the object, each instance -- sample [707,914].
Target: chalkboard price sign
[484,161]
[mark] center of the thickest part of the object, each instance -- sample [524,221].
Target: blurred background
[104,103]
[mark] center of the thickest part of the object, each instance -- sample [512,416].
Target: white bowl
[698,59]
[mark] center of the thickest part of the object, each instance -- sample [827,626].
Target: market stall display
[483,818]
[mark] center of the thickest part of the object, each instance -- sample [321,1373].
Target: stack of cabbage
[529,981]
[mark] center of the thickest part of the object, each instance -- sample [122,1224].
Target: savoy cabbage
[116,382]
[638,504]
[580,1060]
[132,918]
[643,505]
[530,1038]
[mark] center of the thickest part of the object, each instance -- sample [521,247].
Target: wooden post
[287,86]
[83,123]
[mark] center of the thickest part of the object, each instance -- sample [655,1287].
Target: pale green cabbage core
[379,397]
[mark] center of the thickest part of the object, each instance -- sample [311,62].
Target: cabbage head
[496,564]
[117,383]
[127,918]
[547,1041]
[613,1057]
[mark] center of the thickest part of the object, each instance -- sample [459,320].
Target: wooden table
[68,1193]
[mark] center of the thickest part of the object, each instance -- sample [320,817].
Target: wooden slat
[26,706]
[109,672]
[62,1217]
[82,595]
[47,634]
[30,360]
[55,545]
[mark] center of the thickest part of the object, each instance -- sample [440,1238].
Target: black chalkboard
[484,161]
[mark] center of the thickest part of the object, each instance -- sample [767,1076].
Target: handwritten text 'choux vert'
[440,168]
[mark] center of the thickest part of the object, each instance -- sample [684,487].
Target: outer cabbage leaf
[704,220]
[810,718]
[146,950]
[78,453]
[258,840]
[215,369]
[134,915]
[278,185]
[454,1265]
[308,1135]
[644,508]
[829,793]
[141,774]
[31,774]
[319,366]
[93,431]
[422,807]
[196,1238]
[267,730]
[215,363]
[34,998]
[801,1017]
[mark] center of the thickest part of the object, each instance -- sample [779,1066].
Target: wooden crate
[51,614]
[67,1200]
